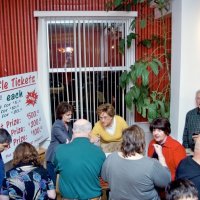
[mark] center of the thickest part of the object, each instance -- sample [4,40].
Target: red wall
[18,31]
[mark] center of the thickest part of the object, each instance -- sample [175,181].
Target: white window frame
[43,60]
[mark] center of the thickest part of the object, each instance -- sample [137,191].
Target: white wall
[185,61]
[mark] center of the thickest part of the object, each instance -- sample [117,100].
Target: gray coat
[59,135]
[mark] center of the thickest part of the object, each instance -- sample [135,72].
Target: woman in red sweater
[172,150]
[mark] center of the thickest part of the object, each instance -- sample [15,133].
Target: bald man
[189,168]
[79,164]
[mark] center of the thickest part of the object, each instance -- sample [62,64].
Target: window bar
[61,61]
[124,64]
[105,57]
[51,77]
[89,65]
[97,60]
[66,32]
[86,82]
[52,66]
[93,64]
[117,90]
[80,66]
[72,44]
[57,76]
[75,66]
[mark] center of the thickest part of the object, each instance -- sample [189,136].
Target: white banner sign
[20,111]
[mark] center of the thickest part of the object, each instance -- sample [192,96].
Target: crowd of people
[78,155]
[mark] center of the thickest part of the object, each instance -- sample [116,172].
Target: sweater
[173,152]
[99,131]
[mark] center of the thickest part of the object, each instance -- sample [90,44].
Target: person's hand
[161,158]
[158,149]
[94,139]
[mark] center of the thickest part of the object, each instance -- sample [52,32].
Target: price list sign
[21,113]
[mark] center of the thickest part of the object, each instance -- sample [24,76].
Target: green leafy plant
[149,98]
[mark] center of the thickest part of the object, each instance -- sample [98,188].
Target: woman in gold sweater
[108,130]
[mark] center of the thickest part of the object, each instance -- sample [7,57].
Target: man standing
[79,164]
[192,123]
[5,140]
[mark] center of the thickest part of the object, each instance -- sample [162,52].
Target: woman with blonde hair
[108,130]
[28,179]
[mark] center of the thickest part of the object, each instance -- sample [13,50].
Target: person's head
[181,189]
[25,153]
[5,139]
[81,128]
[197,98]
[133,141]
[160,128]
[64,111]
[106,112]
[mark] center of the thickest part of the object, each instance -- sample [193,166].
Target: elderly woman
[27,179]
[130,174]
[172,150]
[108,130]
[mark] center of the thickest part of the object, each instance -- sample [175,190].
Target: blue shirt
[2,170]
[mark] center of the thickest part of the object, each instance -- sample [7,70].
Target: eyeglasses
[105,118]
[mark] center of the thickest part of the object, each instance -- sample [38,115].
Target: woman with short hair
[108,130]
[130,174]
[61,133]
[28,179]
[172,150]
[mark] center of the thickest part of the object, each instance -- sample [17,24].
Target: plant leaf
[154,67]
[152,112]
[134,2]
[144,112]
[132,25]
[130,37]
[143,23]
[117,2]
[121,46]
[157,61]
[135,92]
[153,95]
[128,7]
[146,43]
[123,79]
[162,108]
[133,76]
[147,101]
[129,99]
[145,77]
[139,67]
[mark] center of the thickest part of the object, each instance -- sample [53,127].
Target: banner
[21,113]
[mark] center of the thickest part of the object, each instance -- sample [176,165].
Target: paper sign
[21,113]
